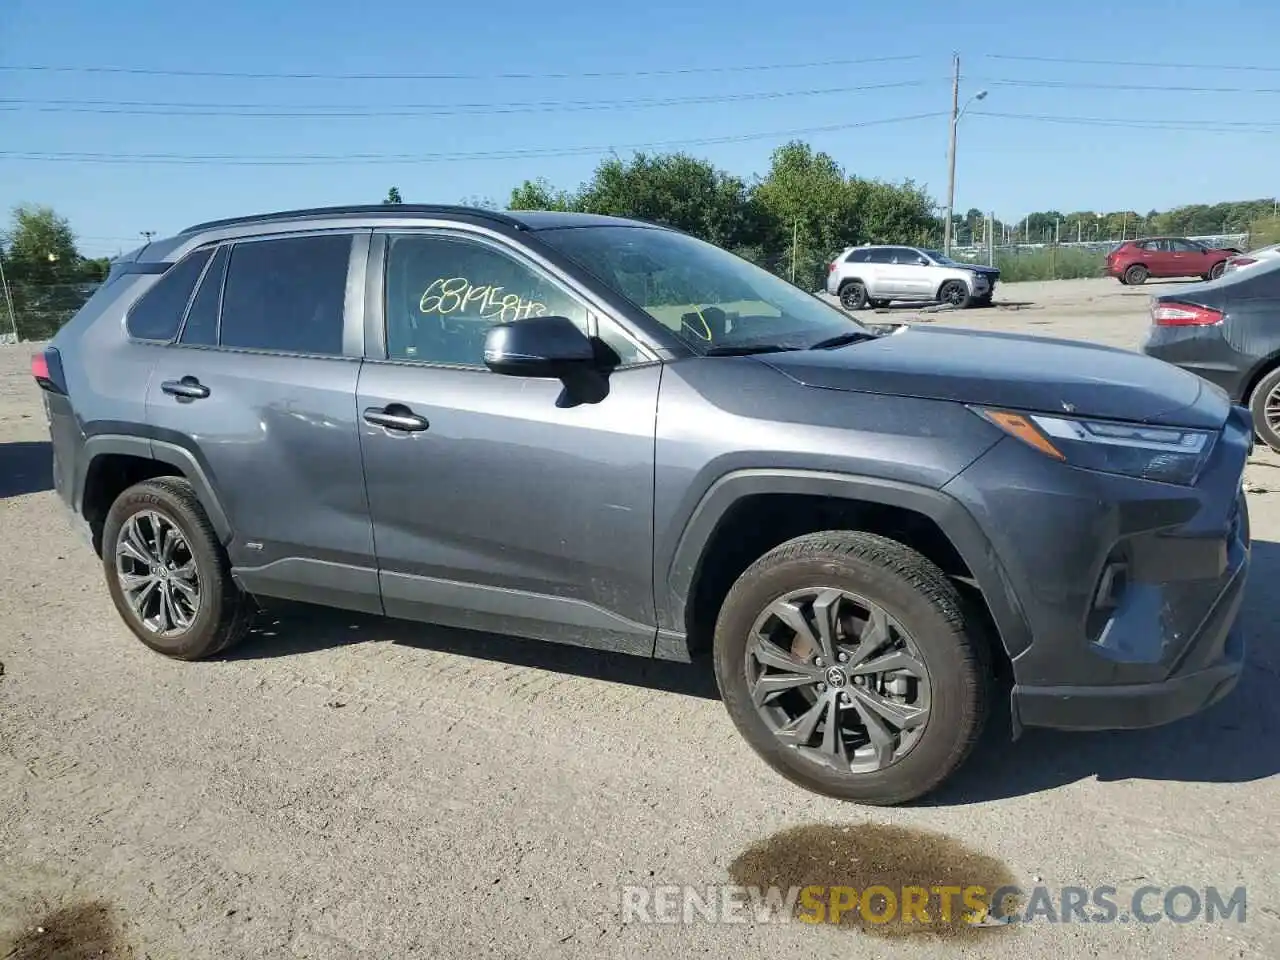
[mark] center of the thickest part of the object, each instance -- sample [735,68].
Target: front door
[260,388]
[496,505]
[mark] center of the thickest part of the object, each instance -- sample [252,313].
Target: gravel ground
[345,787]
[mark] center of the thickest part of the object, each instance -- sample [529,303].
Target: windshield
[937,256]
[711,299]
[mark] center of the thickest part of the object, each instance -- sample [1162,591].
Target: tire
[879,304]
[955,294]
[1267,429]
[853,295]
[185,629]
[1136,275]
[928,619]
[1218,270]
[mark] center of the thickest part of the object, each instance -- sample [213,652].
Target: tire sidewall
[1135,275]
[1257,408]
[194,642]
[935,638]
[964,299]
[848,289]
[1218,270]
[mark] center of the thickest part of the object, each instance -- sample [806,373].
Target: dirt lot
[347,787]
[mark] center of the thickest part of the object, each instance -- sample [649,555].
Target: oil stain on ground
[862,856]
[71,932]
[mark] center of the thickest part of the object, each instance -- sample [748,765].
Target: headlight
[1167,454]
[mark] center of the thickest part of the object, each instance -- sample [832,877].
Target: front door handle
[396,416]
[188,388]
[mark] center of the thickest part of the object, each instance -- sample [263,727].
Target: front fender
[948,513]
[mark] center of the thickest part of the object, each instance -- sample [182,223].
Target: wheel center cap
[836,677]
[162,573]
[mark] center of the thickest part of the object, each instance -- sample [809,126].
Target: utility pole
[795,246]
[951,152]
[8,300]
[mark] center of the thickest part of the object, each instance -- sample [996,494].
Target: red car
[1135,260]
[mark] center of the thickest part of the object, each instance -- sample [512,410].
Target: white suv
[878,275]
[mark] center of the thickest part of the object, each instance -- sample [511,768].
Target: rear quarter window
[158,313]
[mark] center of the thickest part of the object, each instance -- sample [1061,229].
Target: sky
[489,94]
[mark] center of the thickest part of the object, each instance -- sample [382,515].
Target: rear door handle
[396,416]
[189,388]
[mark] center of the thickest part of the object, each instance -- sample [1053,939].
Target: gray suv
[607,433]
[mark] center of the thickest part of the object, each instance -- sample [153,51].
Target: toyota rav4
[607,433]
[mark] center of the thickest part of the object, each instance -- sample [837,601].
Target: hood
[981,268]
[1013,371]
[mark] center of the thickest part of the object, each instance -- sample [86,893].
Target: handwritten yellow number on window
[452,295]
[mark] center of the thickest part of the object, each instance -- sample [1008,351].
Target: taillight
[831,267]
[1183,315]
[46,367]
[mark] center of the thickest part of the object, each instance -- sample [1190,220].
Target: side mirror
[922,261]
[543,347]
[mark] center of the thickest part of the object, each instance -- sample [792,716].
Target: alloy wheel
[838,679]
[157,573]
[953,294]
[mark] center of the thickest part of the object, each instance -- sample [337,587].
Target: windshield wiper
[746,349]
[843,339]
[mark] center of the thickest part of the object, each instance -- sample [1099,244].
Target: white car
[878,275]
[1261,255]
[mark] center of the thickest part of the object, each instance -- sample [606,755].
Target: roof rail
[362,210]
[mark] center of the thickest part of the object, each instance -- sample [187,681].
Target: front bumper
[1130,589]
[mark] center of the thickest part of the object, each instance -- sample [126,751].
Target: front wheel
[1218,270]
[849,664]
[168,573]
[955,294]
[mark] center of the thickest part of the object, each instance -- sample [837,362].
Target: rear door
[891,280]
[1157,257]
[501,505]
[260,388]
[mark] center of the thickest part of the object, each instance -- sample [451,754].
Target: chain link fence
[37,311]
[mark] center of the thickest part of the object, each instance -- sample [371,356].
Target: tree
[540,195]
[41,248]
[393,196]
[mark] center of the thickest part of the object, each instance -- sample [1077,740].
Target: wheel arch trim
[956,523]
[160,450]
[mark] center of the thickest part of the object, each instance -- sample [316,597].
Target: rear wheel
[1264,405]
[1136,275]
[955,294]
[168,573]
[848,662]
[853,295]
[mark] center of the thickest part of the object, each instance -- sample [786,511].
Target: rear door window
[201,328]
[286,295]
[158,314]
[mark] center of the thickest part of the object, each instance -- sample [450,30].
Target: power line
[1089,85]
[1133,63]
[1227,126]
[359,111]
[368,158]
[597,74]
